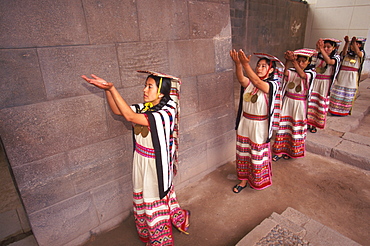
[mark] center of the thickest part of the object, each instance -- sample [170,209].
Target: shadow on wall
[13,220]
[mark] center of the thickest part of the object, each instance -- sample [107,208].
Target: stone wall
[13,220]
[70,155]
[268,26]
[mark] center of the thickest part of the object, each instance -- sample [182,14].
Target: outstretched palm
[98,82]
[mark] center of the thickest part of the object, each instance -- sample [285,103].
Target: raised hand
[319,44]
[98,82]
[244,59]
[289,55]
[234,56]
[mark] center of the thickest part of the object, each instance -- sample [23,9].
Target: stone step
[293,228]
[337,141]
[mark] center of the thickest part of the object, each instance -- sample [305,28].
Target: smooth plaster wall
[337,19]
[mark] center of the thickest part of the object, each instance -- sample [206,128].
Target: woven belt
[345,68]
[144,151]
[255,117]
[296,96]
[321,76]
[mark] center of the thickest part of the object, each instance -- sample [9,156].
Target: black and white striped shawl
[163,127]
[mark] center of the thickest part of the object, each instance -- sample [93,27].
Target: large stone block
[192,162]
[36,23]
[111,21]
[188,97]
[22,215]
[197,128]
[62,68]
[157,22]
[195,120]
[322,144]
[21,80]
[353,153]
[141,56]
[9,224]
[191,57]
[113,199]
[46,194]
[64,221]
[99,163]
[208,19]
[40,172]
[221,149]
[8,194]
[54,179]
[36,131]
[215,89]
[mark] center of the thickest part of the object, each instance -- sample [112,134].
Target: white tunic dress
[345,86]
[253,159]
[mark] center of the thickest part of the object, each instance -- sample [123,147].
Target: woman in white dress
[345,87]
[291,135]
[327,67]
[254,122]
[155,124]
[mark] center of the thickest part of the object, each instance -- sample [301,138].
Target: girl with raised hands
[345,87]
[254,121]
[291,134]
[155,127]
[327,67]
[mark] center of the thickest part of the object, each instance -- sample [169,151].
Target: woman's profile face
[151,91]
[262,69]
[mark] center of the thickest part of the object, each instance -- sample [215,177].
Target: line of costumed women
[255,117]
[154,166]
[345,87]
[327,67]
[291,134]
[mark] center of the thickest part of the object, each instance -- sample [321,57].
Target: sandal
[239,188]
[185,226]
[286,157]
[313,129]
[276,157]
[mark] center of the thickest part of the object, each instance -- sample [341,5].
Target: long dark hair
[165,90]
[334,44]
[272,64]
[352,52]
[310,65]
